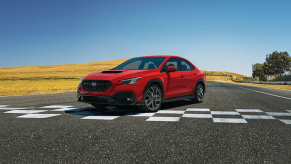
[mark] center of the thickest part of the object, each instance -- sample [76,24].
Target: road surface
[234,124]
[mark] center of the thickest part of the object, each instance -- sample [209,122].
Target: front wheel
[152,98]
[199,94]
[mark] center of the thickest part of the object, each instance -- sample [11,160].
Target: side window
[149,65]
[186,66]
[171,62]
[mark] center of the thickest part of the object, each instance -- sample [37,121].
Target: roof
[159,56]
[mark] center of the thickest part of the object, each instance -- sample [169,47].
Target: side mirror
[171,69]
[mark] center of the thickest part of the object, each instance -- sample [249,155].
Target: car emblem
[93,84]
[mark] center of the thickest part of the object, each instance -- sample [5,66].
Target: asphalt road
[234,124]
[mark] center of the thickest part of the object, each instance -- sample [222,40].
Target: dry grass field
[48,79]
[228,80]
[65,78]
[66,71]
[27,87]
[223,72]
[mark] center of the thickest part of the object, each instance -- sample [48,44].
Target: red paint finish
[175,83]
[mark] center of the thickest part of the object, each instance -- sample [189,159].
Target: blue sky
[215,35]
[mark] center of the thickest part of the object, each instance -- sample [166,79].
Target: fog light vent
[125,97]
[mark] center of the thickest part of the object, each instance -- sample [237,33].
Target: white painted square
[1,106]
[278,114]
[198,115]
[171,119]
[248,110]
[224,113]
[56,106]
[229,120]
[171,111]
[38,115]
[258,117]
[288,111]
[11,108]
[25,111]
[140,114]
[286,121]
[63,109]
[101,117]
[197,109]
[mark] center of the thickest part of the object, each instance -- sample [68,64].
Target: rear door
[188,72]
[173,80]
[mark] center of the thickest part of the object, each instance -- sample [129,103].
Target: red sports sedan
[146,82]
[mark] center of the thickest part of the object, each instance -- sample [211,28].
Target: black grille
[100,85]
[100,99]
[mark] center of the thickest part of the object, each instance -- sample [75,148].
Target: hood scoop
[111,71]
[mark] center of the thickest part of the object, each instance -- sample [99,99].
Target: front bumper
[120,98]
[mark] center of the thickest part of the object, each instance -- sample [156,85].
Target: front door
[174,80]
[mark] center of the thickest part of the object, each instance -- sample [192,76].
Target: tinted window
[141,63]
[171,62]
[132,65]
[186,66]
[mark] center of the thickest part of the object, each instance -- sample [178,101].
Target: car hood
[116,74]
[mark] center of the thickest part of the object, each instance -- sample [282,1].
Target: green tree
[259,71]
[269,66]
[286,63]
[256,72]
[277,63]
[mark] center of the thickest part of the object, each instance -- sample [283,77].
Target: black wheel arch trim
[198,81]
[154,81]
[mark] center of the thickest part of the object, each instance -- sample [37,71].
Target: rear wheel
[152,98]
[199,94]
[100,107]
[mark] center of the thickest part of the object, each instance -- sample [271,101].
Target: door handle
[182,75]
[195,74]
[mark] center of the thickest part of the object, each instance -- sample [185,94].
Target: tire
[152,98]
[100,107]
[199,94]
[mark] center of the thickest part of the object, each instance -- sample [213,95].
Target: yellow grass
[65,78]
[27,87]
[228,80]
[223,72]
[235,76]
[56,71]
[48,79]
[219,78]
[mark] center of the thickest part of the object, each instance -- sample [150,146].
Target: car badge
[93,84]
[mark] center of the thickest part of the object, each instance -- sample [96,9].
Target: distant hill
[65,71]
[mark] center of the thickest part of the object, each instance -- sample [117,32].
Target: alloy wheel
[153,98]
[200,93]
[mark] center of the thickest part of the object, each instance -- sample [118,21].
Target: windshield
[141,63]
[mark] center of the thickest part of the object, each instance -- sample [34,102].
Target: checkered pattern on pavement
[236,116]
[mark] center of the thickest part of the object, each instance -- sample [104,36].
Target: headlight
[131,81]
[82,79]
